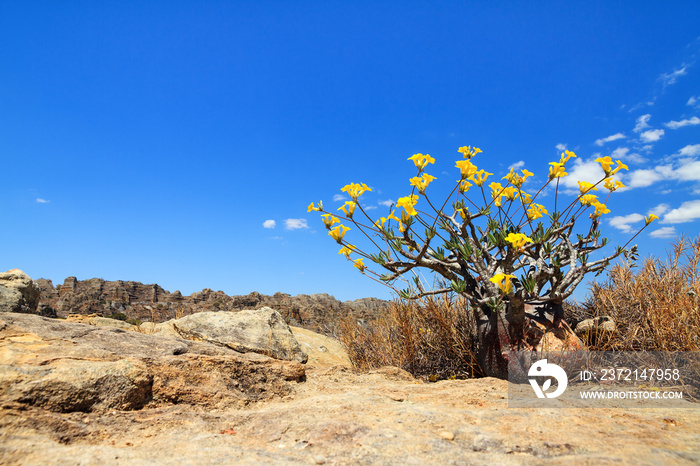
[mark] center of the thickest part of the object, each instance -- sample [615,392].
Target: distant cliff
[136,301]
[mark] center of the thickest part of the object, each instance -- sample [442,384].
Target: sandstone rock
[64,366]
[262,331]
[597,324]
[323,351]
[18,293]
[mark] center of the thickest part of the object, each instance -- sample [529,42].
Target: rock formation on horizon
[134,301]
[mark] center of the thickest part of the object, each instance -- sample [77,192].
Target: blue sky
[159,141]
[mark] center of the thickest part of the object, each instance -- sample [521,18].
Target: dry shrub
[656,308]
[433,338]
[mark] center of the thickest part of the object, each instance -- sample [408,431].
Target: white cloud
[691,150]
[582,171]
[517,165]
[269,224]
[659,210]
[387,203]
[642,178]
[679,124]
[370,207]
[622,153]
[623,223]
[339,197]
[652,135]
[670,78]
[42,201]
[665,232]
[561,147]
[689,170]
[687,212]
[693,100]
[642,123]
[614,137]
[295,224]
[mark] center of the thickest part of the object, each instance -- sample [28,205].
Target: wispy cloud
[42,201]
[517,165]
[387,203]
[642,123]
[269,224]
[671,78]
[652,135]
[613,137]
[561,147]
[643,178]
[691,150]
[624,222]
[687,212]
[339,198]
[664,232]
[679,124]
[622,153]
[295,224]
[659,210]
[693,101]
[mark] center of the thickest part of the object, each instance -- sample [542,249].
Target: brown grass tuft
[433,338]
[656,308]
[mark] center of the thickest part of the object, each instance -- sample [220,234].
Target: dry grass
[656,308]
[433,338]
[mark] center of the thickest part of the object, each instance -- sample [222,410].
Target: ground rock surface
[336,416]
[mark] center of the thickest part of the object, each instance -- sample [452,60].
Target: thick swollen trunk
[521,326]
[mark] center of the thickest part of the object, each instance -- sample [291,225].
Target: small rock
[319,459]
[447,435]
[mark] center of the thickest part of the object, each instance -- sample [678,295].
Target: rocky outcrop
[262,331]
[134,301]
[65,367]
[18,292]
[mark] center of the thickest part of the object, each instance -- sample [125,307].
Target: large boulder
[262,331]
[18,292]
[65,367]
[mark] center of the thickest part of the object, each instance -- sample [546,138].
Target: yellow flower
[383,220]
[611,185]
[422,182]
[402,227]
[565,156]
[463,213]
[350,208]
[605,163]
[464,186]
[421,161]
[407,203]
[466,168]
[359,264]
[600,209]
[510,193]
[585,186]
[496,189]
[588,199]
[329,220]
[346,250]
[556,170]
[313,207]
[468,152]
[619,167]
[650,218]
[355,190]
[479,178]
[338,232]
[517,180]
[525,198]
[503,282]
[536,211]
[518,240]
